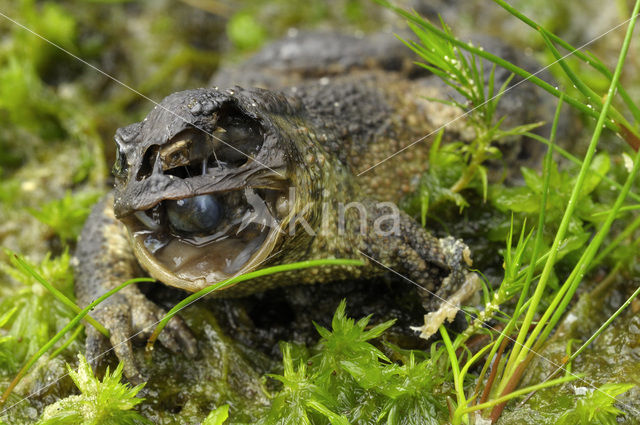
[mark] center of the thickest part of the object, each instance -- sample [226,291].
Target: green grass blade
[520,392]
[62,332]
[73,336]
[416,19]
[586,58]
[237,279]
[59,295]
[586,91]
[577,161]
[536,247]
[579,270]
[455,368]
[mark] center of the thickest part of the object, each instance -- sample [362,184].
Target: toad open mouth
[207,238]
[209,218]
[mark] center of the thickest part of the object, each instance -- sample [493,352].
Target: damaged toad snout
[194,143]
[199,183]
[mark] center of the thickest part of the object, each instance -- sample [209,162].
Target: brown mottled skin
[335,105]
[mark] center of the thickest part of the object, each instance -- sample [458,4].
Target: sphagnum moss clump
[100,402]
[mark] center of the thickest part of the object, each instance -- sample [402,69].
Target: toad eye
[196,215]
[120,167]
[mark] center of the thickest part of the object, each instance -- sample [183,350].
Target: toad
[300,153]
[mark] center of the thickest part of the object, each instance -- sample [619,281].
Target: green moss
[39,315]
[106,402]
[66,216]
[217,416]
[348,380]
[596,407]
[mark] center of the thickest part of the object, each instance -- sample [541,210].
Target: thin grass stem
[62,332]
[520,392]
[59,295]
[573,202]
[589,60]
[68,342]
[537,244]
[237,279]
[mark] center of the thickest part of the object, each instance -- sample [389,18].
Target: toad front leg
[105,260]
[438,267]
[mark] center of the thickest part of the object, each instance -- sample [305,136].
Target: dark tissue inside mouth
[226,156]
[196,167]
[187,171]
[239,222]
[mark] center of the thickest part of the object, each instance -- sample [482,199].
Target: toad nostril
[148,162]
